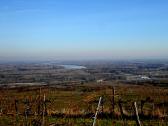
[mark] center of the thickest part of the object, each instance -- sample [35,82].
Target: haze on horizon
[83,29]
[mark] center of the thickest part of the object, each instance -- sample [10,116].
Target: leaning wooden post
[120,107]
[113,103]
[16,109]
[97,110]
[26,111]
[16,106]
[142,105]
[102,106]
[39,100]
[136,113]
[44,98]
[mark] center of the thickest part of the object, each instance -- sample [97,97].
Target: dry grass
[80,100]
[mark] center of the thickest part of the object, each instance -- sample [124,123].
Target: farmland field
[75,105]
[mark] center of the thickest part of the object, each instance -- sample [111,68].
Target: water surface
[73,66]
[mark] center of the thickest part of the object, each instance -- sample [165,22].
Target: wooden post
[39,100]
[16,109]
[38,105]
[101,110]
[120,107]
[136,113]
[142,105]
[44,99]
[113,102]
[26,111]
[97,110]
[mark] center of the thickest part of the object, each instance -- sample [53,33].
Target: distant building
[100,81]
[137,77]
[145,78]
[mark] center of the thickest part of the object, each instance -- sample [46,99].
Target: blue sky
[83,29]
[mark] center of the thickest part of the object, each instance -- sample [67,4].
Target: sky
[83,29]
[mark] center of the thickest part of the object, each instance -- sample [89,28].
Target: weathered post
[113,102]
[27,110]
[39,103]
[44,99]
[102,106]
[38,106]
[136,113]
[142,105]
[97,110]
[16,106]
[16,109]
[120,107]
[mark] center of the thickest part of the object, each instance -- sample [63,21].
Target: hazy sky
[83,29]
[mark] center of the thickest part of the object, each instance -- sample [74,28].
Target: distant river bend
[73,67]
